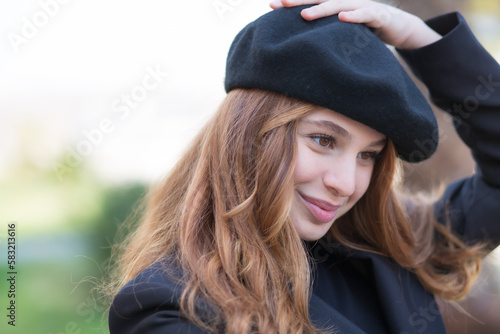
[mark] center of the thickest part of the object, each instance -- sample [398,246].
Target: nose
[340,176]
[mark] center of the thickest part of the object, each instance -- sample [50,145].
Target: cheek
[304,165]
[362,182]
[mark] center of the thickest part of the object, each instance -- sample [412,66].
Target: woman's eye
[368,156]
[323,141]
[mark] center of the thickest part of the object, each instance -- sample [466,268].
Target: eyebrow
[381,142]
[340,131]
[334,127]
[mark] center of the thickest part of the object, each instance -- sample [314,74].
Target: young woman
[284,214]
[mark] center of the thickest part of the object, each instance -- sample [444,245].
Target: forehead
[329,119]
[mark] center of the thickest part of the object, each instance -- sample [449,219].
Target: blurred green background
[70,75]
[64,232]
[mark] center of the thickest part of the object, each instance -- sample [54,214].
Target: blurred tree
[119,204]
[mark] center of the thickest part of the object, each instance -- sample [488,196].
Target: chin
[314,233]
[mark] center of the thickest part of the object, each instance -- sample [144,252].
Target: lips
[323,211]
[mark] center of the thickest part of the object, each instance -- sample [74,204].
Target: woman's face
[335,161]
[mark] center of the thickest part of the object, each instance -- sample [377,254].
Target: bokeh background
[97,101]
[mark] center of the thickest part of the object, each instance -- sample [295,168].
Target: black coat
[355,291]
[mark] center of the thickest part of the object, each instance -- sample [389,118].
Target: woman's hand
[392,25]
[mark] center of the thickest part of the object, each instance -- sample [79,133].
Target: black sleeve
[464,80]
[149,305]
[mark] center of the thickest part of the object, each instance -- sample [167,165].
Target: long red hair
[222,215]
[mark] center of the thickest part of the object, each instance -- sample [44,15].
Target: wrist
[419,35]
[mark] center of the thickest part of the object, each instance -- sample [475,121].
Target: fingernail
[308,11]
[344,16]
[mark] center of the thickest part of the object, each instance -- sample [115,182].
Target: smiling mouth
[323,211]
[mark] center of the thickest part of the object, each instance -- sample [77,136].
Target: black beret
[341,66]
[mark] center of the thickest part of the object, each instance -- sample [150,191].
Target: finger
[292,3]
[362,15]
[275,4]
[372,17]
[331,8]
